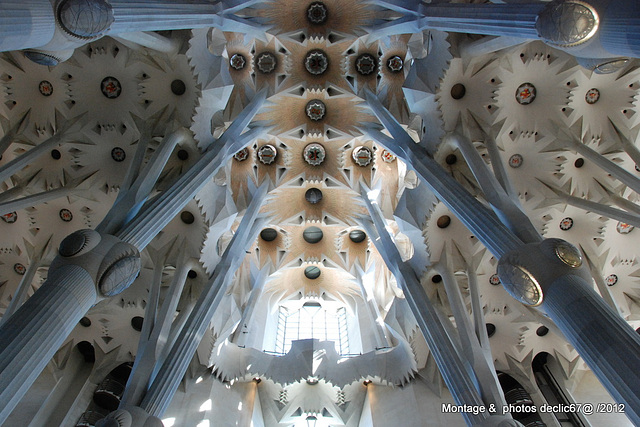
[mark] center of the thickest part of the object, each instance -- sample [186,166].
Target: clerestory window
[312,320]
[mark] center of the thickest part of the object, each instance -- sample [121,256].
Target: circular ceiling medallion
[111,87]
[312,235]
[366,64]
[569,254]
[187,217]
[357,236]
[388,156]
[458,91]
[178,87]
[65,215]
[395,64]
[242,155]
[118,154]
[491,329]
[313,195]
[567,23]
[520,284]
[268,234]
[566,224]
[542,331]
[611,280]
[317,13]
[624,228]
[266,62]
[316,109]
[312,272]
[526,93]
[316,62]
[137,322]
[444,221]
[46,88]
[494,280]
[19,268]
[362,156]
[237,62]
[592,96]
[451,159]
[267,154]
[314,154]
[515,161]
[10,217]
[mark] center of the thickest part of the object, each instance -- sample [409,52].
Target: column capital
[527,272]
[84,19]
[112,264]
[131,416]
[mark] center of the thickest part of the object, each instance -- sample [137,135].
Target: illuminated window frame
[312,320]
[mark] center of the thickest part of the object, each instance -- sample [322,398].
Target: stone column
[151,15]
[510,20]
[140,230]
[620,30]
[456,374]
[473,214]
[101,260]
[25,23]
[168,377]
[89,266]
[515,20]
[551,275]
[30,337]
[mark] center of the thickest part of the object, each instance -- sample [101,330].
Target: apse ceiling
[315,62]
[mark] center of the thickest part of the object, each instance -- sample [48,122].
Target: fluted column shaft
[34,333]
[152,15]
[516,20]
[620,28]
[609,346]
[25,23]
[154,217]
[456,374]
[473,214]
[168,377]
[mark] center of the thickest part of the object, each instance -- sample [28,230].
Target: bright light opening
[206,406]
[169,422]
[312,320]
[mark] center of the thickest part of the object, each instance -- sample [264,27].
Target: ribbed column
[154,217]
[25,159]
[152,15]
[473,214]
[25,23]
[168,378]
[456,374]
[238,336]
[36,331]
[620,28]
[503,206]
[604,340]
[605,164]
[516,20]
